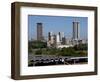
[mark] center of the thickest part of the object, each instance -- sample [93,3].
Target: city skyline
[56,24]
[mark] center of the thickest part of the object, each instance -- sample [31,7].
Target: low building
[64,46]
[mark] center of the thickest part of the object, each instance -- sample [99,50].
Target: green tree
[81,47]
[38,52]
[37,44]
[67,51]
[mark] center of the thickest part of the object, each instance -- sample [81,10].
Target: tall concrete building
[39,31]
[60,36]
[49,35]
[76,28]
[63,40]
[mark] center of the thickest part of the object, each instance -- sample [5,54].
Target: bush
[38,52]
[67,51]
[37,44]
[81,47]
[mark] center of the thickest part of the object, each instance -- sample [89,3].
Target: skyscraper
[49,35]
[60,37]
[63,40]
[62,34]
[75,30]
[39,31]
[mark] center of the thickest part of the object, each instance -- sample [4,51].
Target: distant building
[84,41]
[39,31]
[51,40]
[64,46]
[63,40]
[60,36]
[58,42]
[55,39]
[49,35]
[68,41]
[59,39]
[76,30]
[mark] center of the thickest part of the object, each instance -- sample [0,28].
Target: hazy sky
[56,24]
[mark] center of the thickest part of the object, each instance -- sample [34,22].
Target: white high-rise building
[58,38]
[62,34]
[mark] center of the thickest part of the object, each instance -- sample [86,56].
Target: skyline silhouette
[56,24]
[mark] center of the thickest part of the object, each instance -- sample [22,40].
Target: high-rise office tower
[60,37]
[39,31]
[75,30]
[49,35]
[63,40]
[58,42]
[53,40]
[62,34]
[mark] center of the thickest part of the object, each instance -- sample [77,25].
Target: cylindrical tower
[76,30]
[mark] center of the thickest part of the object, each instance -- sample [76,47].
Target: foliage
[81,47]
[38,52]
[68,51]
[36,44]
[39,47]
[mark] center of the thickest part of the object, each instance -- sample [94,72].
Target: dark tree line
[41,48]
[36,45]
[81,47]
